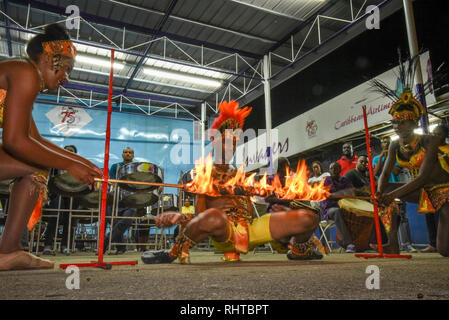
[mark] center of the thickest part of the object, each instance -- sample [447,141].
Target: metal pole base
[103,265]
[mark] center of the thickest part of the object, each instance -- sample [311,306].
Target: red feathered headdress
[231,117]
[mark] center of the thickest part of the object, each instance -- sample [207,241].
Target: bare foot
[20,260]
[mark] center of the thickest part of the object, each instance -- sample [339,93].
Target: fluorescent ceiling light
[187,69]
[98,62]
[157,73]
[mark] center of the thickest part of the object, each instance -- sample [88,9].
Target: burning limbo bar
[242,184]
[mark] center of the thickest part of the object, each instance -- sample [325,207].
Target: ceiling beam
[281,43]
[139,29]
[161,24]
[199,23]
[130,94]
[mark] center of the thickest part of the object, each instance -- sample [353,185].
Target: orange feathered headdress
[231,117]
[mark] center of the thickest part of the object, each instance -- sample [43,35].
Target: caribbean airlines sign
[334,119]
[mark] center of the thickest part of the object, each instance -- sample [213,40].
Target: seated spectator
[318,173]
[188,208]
[359,175]
[331,211]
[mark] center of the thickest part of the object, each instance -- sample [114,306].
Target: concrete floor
[260,276]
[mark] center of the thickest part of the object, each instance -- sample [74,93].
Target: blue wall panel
[151,138]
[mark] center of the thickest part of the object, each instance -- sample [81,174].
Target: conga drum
[359,218]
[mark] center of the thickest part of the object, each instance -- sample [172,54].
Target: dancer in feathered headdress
[231,116]
[229,220]
[418,153]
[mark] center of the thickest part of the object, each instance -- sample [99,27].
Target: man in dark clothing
[359,176]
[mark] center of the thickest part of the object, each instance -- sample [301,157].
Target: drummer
[359,178]
[25,156]
[128,156]
[359,175]
[120,225]
[331,210]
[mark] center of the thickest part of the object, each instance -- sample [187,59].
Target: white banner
[68,120]
[334,119]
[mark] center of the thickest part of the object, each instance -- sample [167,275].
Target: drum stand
[376,209]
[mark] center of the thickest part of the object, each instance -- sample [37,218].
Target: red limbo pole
[373,198]
[100,263]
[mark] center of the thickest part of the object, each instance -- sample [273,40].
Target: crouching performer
[229,220]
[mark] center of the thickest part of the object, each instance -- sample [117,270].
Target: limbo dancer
[422,155]
[229,220]
[25,156]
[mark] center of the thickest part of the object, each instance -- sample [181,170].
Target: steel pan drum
[188,176]
[169,202]
[92,199]
[137,200]
[4,188]
[64,184]
[127,199]
[140,171]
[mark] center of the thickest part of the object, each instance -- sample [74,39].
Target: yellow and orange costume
[407,107]
[245,232]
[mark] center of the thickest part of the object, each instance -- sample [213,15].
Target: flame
[295,187]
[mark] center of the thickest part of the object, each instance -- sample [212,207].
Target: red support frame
[100,263]
[373,198]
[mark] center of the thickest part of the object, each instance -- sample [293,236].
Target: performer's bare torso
[227,202]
